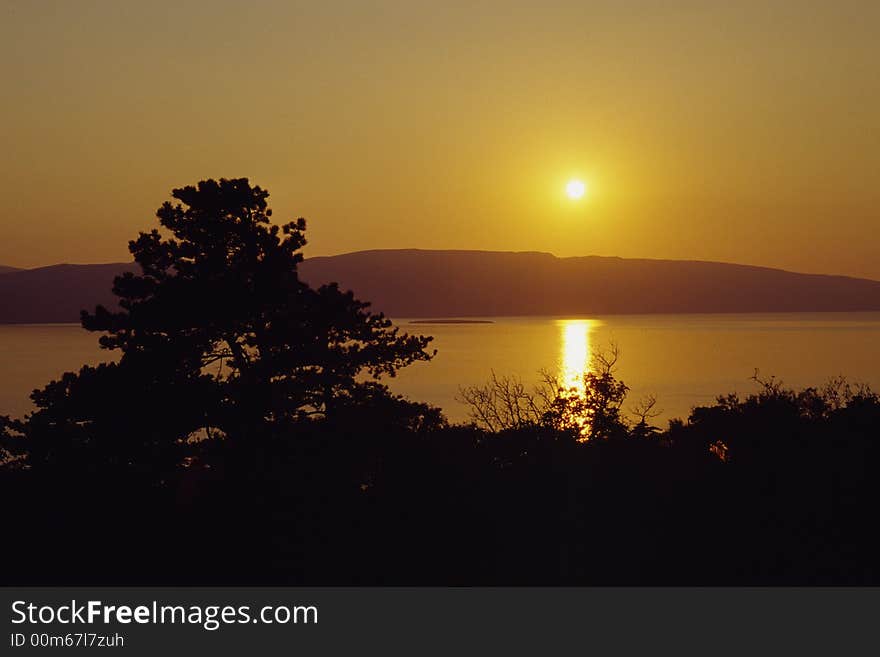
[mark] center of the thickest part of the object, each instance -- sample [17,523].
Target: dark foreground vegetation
[244,436]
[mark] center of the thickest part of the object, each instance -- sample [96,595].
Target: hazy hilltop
[5,269]
[424,283]
[56,293]
[416,283]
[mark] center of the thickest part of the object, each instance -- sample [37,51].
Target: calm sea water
[682,359]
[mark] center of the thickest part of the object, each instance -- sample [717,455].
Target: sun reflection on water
[574,357]
[574,362]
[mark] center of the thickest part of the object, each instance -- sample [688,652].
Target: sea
[682,360]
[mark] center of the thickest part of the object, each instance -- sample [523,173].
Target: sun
[575,189]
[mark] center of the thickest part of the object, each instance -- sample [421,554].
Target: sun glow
[575,189]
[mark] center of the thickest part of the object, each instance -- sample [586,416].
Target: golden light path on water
[574,362]
[575,352]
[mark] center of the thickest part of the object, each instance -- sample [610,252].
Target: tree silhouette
[219,335]
[11,443]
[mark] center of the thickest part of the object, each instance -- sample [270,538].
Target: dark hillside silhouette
[57,293]
[436,284]
[4,269]
[779,487]
[415,283]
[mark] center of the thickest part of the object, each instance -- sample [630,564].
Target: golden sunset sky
[737,131]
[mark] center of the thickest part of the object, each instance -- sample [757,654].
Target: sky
[737,131]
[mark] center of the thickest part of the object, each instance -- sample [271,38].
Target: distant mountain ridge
[415,283]
[428,283]
[56,293]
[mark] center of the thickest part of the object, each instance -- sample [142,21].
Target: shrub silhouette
[591,411]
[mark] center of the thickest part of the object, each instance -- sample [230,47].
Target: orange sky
[742,132]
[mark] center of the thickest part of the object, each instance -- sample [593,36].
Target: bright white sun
[575,189]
